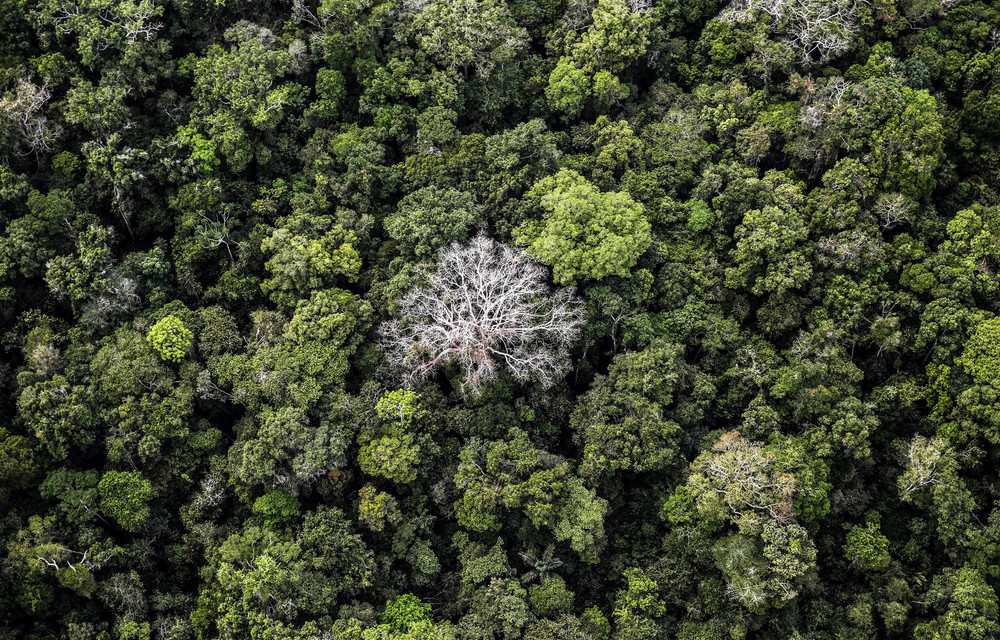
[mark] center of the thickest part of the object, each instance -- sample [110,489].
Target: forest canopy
[499,319]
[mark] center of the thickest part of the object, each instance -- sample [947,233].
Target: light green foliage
[909,141]
[900,128]
[637,608]
[499,609]
[763,491]
[351,28]
[513,474]
[394,454]
[867,549]
[479,563]
[377,509]
[101,110]
[170,338]
[84,275]
[972,241]
[752,484]
[330,94]
[558,499]
[277,507]
[301,359]
[551,597]
[122,34]
[595,624]
[981,357]
[487,473]
[304,570]
[394,450]
[405,612]
[437,129]
[586,233]
[125,496]
[970,607]
[327,317]
[766,572]
[608,90]
[771,254]
[286,449]
[565,627]
[625,420]
[847,429]
[617,36]
[616,145]
[354,629]
[143,403]
[818,378]
[302,259]
[59,415]
[219,332]
[400,406]
[700,217]
[237,87]
[931,480]
[202,149]
[568,88]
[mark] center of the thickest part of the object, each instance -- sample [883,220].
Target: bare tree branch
[485,307]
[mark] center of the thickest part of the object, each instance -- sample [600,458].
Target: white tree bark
[23,108]
[485,307]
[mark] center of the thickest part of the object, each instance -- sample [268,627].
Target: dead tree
[22,107]
[485,307]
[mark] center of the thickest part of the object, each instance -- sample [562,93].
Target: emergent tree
[485,307]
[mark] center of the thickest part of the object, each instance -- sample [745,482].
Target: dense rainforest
[499,319]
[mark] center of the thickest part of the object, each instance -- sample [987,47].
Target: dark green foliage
[431,218]
[265,376]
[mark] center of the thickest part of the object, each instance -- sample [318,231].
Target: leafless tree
[299,51]
[208,390]
[826,103]
[742,474]
[44,359]
[133,24]
[114,295]
[816,29]
[129,23]
[216,231]
[893,209]
[23,108]
[851,248]
[124,593]
[640,6]
[924,458]
[485,307]
[819,29]
[579,14]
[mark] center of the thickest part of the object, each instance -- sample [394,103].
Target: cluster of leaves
[499,319]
